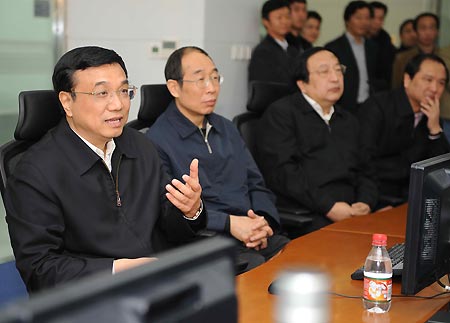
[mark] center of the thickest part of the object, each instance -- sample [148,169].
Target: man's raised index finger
[193,169]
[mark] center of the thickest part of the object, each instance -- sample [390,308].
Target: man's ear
[406,80]
[66,101]
[173,87]
[302,86]
[265,23]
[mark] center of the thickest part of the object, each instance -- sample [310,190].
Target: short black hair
[301,72]
[413,66]
[404,23]
[379,5]
[423,15]
[82,58]
[174,68]
[299,1]
[272,5]
[314,15]
[354,6]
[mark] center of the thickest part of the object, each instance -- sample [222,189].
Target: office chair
[39,111]
[261,95]
[154,100]
[12,287]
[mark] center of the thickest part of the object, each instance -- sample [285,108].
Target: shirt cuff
[436,136]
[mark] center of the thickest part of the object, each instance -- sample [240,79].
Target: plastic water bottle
[303,296]
[378,277]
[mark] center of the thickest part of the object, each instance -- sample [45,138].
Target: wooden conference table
[338,249]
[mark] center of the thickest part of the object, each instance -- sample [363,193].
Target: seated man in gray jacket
[234,192]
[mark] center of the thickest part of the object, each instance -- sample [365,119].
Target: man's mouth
[114,122]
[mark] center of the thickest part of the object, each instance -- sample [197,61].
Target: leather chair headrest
[262,94]
[39,111]
[154,100]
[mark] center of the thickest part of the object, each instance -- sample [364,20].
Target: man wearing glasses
[91,195]
[309,146]
[238,203]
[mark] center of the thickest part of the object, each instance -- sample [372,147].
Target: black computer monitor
[195,283]
[427,243]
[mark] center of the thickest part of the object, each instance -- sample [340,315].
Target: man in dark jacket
[298,18]
[92,195]
[273,57]
[309,147]
[359,54]
[239,205]
[386,50]
[402,126]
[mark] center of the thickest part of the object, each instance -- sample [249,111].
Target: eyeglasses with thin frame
[202,83]
[325,71]
[124,93]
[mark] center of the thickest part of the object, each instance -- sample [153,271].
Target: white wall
[231,23]
[130,27]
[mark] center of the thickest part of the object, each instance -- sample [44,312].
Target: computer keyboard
[396,252]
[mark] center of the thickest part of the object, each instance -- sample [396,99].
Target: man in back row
[274,55]
[239,205]
[426,26]
[92,195]
[309,146]
[359,54]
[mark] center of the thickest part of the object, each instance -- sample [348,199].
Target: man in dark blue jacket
[234,192]
[91,195]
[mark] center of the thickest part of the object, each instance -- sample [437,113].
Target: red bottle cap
[379,239]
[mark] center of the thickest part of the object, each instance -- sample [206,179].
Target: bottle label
[377,287]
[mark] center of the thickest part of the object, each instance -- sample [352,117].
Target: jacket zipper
[205,136]
[116,182]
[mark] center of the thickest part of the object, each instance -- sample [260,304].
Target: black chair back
[154,100]
[39,111]
[293,218]
[261,95]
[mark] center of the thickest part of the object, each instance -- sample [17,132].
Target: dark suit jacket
[386,56]
[298,42]
[306,161]
[62,211]
[271,63]
[341,47]
[390,143]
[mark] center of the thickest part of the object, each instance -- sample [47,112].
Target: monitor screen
[194,283]
[427,243]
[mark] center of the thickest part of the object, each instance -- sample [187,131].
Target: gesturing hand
[186,197]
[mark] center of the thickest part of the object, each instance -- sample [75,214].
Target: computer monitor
[427,243]
[195,283]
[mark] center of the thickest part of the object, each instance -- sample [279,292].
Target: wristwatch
[197,214]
